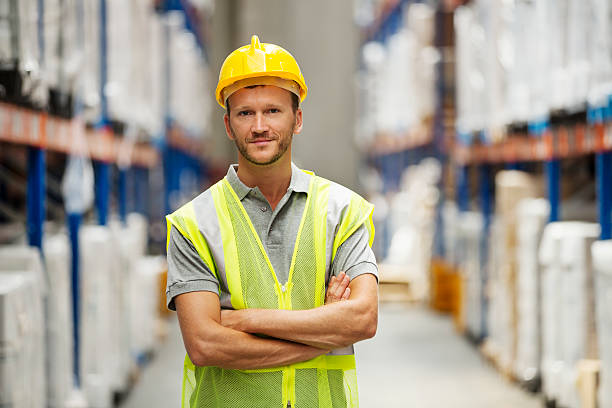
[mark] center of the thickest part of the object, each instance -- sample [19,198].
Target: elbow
[202,355]
[198,358]
[368,324]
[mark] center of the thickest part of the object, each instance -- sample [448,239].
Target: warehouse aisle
[415,360]
[159,384]
[418,360]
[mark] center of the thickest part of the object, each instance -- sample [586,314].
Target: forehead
[260,94]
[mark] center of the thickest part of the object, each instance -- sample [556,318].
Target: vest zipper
[284,296]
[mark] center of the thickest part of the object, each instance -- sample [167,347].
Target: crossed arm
[225,339]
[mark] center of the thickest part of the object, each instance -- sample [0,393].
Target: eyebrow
[248,107]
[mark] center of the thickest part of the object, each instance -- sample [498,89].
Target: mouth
[260,142]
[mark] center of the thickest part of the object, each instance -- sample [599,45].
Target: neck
[272,180]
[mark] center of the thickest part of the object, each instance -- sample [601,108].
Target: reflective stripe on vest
[325,381]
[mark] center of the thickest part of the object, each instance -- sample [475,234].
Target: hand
[338,289]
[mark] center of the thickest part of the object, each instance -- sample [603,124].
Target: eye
[273,110]
[244,113]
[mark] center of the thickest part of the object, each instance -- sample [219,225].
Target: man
[249,260]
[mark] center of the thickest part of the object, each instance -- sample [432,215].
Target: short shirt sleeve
[355,256]
[187,272]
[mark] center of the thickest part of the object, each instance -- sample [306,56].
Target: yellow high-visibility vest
[325,381]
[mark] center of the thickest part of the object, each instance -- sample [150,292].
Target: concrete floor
[415,360]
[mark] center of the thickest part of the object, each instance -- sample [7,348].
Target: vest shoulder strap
[356,211]
[184,220]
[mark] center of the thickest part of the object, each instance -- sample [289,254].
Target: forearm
[327,327]
[232,349]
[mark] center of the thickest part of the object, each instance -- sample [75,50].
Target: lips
[260,141]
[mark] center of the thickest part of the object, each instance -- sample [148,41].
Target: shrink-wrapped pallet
[532,217]
[59,320]
[144,294]
[551,274]
[471,227]
[602,264]
[578,332]
[567,329]
[511,188]
[600,86]
[129,244]
[99,329]
[20,51]
[450,216]
[497,310]
[22,328]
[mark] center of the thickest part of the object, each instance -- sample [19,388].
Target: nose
[260,125]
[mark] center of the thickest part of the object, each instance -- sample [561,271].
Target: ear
[297,128]
[228,130]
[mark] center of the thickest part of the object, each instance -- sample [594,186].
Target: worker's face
[261,122]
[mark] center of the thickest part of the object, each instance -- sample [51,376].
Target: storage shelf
[388,143]
[383,16]
[23,126]
[564,142]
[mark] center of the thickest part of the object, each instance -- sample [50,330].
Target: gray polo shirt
[278,232]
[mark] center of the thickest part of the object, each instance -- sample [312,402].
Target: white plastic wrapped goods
[532,217]
[550,264]
[144,288]
[59,320]
[189,84]
[470,68]
[130,244]
[63,58]
[601,52]
[99,274]
[91,64]
[602,264]
[22,328]
[471,225]
[568,330]
[578,307]
[498,310]
[450,216]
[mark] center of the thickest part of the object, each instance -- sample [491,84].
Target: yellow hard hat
[259,64]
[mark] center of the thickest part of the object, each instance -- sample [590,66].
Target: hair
[295,100]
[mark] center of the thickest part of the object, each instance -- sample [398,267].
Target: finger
[341,286]
[346,294]
[329,295]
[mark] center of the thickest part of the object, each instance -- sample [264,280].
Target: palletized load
[532,217]
[578,333]
[511,188]
[568,330]
[60,370]
[98,321]
[22,328]
[602,264]
[471,227]
[144,296]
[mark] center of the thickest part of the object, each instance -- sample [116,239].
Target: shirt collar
[300,181]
